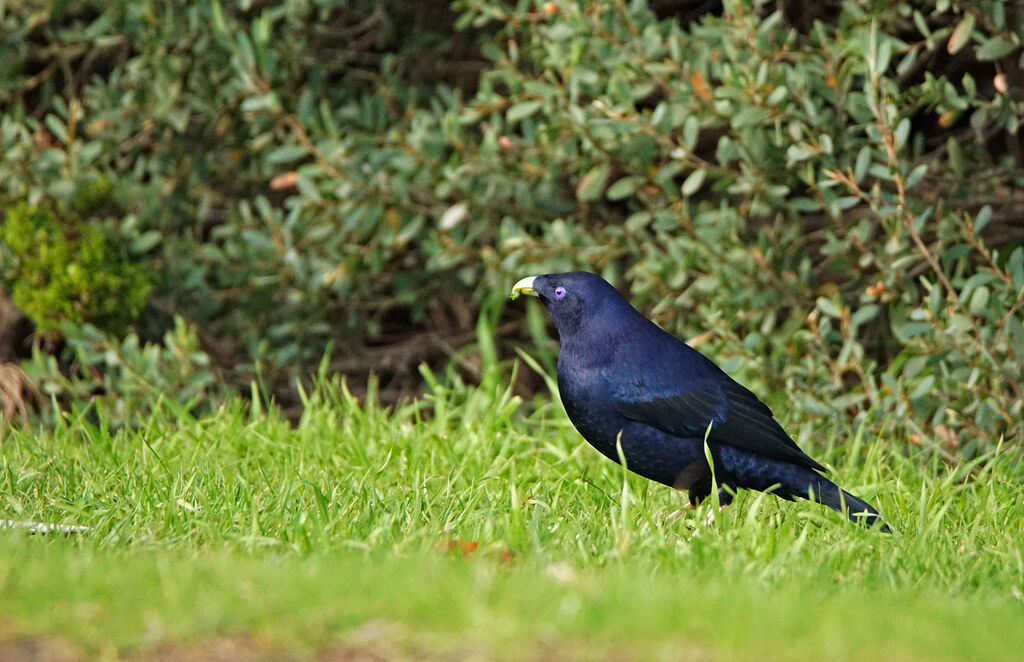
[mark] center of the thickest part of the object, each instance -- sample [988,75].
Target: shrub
[64,270]
[821,195]
[126,380]
[797,199]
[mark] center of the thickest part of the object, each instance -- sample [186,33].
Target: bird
[637,393]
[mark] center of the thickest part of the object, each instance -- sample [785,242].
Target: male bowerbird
[630,387]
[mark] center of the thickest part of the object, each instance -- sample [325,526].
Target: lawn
[471,525]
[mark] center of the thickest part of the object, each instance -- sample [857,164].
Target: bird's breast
[591,408]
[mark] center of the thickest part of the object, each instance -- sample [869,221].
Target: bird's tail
[790,481]
[828,493]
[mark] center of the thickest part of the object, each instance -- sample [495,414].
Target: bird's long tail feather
[790,481]
[828,493]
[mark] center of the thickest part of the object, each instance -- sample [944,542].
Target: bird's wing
[737,417]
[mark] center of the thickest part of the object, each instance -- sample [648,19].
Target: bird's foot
[709,519]
[678,513]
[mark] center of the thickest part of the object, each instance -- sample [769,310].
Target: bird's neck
[594,340]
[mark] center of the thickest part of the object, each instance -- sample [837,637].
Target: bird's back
[625,368]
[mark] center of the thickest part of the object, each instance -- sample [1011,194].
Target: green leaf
[916,175]
[912,329]
[1015,266]
[522,110]
[693,182]
[1015,334]
[957,251]
[864,314]
[57,128]
[937,297]
[983,218]
[829,307]
[798,153]
[639,220]
[259,102]
[979,299]
[995,48]
[956,156]
[623,188]
[902,132]
[975,281]
[592,184]
[884,56]
[913,367]
[245,49]
[659,116]
[923,388]
[577,114]
[922,218]
[749,116]
[89,151]
[860,168]
[826,143]
[287,153]
[804,204]
[847,202]
[727,151]
[691,130]
[988,415]
[922,24]
[146,241]
[777,96]
[961,34]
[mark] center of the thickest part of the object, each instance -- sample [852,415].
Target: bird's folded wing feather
[737,417]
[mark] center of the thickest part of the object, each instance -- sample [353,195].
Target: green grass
[299,536]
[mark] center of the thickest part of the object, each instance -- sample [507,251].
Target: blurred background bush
[823,195]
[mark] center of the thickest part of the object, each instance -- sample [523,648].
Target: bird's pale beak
[525,286]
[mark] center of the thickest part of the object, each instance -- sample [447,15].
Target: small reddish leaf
[467,547]
[999,82]
[284,180]
[700,86]
[947,118]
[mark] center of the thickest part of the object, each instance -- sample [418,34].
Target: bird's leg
[725,497]
[701,491]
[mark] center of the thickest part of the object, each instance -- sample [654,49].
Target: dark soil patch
[237,648]
[37,650]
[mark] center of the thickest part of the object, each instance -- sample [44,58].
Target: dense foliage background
[825,196]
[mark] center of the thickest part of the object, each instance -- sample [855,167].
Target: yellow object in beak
[525,286]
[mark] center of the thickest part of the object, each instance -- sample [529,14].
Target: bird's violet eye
[559,292]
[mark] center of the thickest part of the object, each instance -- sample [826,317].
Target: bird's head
[574,299]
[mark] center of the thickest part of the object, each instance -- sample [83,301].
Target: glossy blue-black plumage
[626,382]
